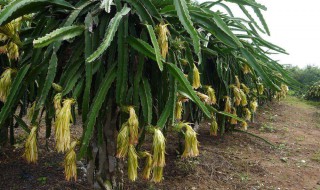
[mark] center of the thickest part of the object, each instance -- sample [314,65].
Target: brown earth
[236,161]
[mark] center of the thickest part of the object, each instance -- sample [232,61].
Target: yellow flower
[163,33]
[132,163]
[30,111]
[63,120]
[133,123]
[9,36]
[191,142]
[147,166]
[237,94]
[5,83]
[246,69]
[196,78]
[243,98]
[159,146]
[203,97]
[214,127]
[31,149]
[260,88]
[57,102]
[157,174]
[123,141]
[245,88]
[253,106]
[247,114]
[244,125]
[70,163]
[178,112]
[227,107]
[211,94]
[233,121]
[237,82]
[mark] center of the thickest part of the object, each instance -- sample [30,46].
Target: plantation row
[131,69]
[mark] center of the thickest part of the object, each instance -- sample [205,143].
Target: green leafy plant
[124,65]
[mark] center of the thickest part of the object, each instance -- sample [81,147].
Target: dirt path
[237,161]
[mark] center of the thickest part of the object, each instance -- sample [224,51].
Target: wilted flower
[30,111]
[132,163]
[148,164]
[233,121]
[237,82]
[227,107]
[63,121]
[246,69]
[260,88]
[178,111]
[157,174]
[57,103]
[211,94]
[70,163]
[243,98]
[191,142]
[245,88]
[5,83]
[244,125]
[123,141]
[253,106]
[214,127]
[159,145]
[247,114]
[133,123]
[31,149]
[203,97]
[162,34]
[196,78]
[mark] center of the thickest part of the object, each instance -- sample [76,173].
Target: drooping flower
[196,78]
[245,88]
[159,145]
[70,163]
[57,103]
[237,82]
[246,69]
[253,106]
[147,166]
[211,94]
[30,111]
[162,34]
[157,174]
[214,127]
[243,96]
[31,149]
[203,97]
[260,88]
[233,121]
[132,163]
[123,141]
[62,124]
[227,107]
[247,114]
[190,141]
[5,83]
[178,111]
[133,123]
[244,125]
[159,161]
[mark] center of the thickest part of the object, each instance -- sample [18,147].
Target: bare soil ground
[235,161]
